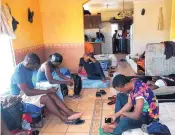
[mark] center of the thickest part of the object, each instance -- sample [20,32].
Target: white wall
[145,27]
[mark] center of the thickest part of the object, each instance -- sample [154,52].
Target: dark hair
[86,38]
[116,31]
[32,58]
[56,57]
[98,35]
[119,81]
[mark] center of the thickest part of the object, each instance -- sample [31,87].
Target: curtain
[6,22]
[7,63]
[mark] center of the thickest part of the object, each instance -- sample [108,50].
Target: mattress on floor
[92,84]
[167,117]
[107,57]
[165,90]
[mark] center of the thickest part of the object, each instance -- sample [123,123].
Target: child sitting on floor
[141,100]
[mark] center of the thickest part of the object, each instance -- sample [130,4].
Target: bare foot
[76,115]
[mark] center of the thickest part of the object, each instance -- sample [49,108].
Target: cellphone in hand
[108,120]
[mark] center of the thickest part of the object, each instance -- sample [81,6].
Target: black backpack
[12,115]
[77,83]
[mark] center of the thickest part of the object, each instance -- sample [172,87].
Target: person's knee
[97,63]
[124,124]
[44,99]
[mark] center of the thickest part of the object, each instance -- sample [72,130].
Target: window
[7,63]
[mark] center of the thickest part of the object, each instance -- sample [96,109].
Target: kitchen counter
[95,42]
[97,47]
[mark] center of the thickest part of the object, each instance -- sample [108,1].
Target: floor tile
[107,113]
[55,126]
[108,107]
[54,117]
[72,105]
[84,128]
[84,105]
[87,114]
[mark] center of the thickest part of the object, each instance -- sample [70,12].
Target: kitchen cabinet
[92,21]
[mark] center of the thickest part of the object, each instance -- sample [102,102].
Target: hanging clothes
[6,22]
[160,21]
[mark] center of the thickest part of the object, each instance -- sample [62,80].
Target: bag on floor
[77,83]
[64,89]
[157,128]
[12,115]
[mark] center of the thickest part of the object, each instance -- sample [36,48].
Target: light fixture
[86,7]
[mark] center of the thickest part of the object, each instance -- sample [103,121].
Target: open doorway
[102,19]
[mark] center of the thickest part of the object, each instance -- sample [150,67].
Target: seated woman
[45,77]
[92,67]
[141,100]
[21,84]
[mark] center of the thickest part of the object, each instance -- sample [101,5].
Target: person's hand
[70,82]
[52,90]
[88,57]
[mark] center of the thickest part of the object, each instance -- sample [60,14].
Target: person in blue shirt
[136,105]
[98,38]
[21,84]
[45,77]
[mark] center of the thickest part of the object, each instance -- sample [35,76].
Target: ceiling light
[86,7]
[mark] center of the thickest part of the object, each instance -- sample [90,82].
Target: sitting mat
[90,84]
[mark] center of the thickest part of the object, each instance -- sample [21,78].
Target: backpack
[157,128]
[77,83]
[12,115]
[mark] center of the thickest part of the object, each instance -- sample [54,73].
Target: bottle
[71,91]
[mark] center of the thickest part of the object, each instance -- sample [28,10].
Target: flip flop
[111,102]
[75,122]
[75,116]
[111,98]
[103,92]
[98,94]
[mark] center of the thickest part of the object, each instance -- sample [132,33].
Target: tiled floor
[88,104]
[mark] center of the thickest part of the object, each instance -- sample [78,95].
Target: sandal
[103,92]
[113,100]
[98,94]
[75,122]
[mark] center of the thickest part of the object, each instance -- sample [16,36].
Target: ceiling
[95,6]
